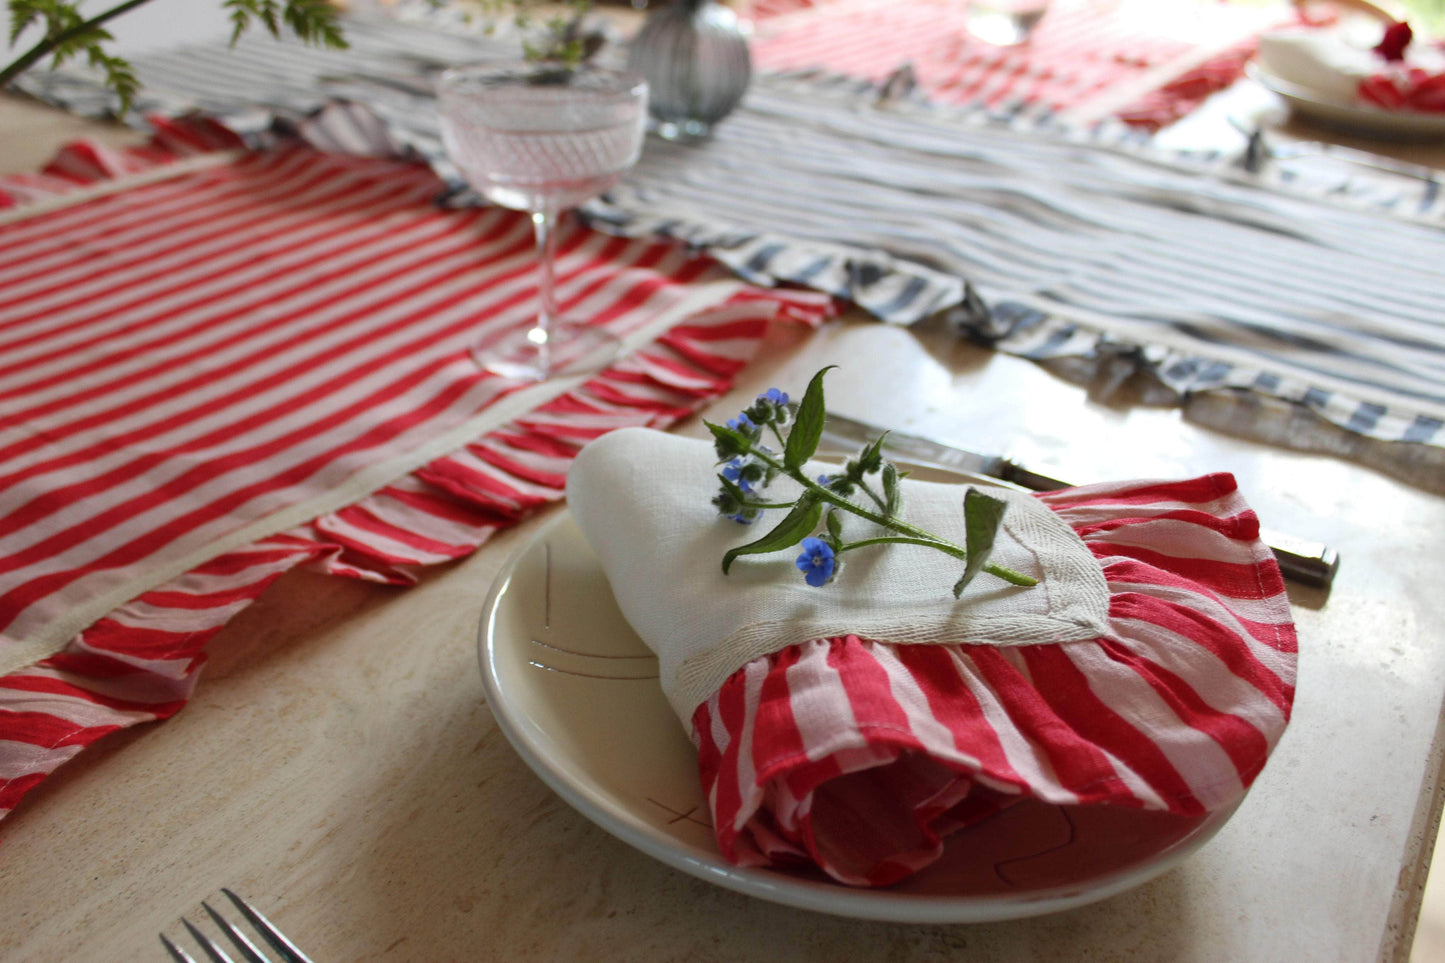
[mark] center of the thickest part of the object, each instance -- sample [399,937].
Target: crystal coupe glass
[542,138]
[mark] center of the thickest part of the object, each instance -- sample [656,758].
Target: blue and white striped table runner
[1079,245]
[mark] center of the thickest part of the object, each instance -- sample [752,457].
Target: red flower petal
[1397,37]
[1381,91]
[1428,94]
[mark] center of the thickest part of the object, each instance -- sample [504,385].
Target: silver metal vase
[694,56]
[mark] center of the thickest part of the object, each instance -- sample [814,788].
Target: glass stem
[544,223]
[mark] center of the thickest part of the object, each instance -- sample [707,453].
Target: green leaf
[871,458]
[807,428]
[892,494]
[118,75]
[797,525]
[729,442]
[313,21]
[68,34]
[22,14]
[733,489]
[270,16]
[981,517]
[835,526]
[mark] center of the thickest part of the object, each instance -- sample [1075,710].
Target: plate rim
[822,896]
[1358,117]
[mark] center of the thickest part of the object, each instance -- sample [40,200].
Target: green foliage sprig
[68,34]
[562,39]
[749,467]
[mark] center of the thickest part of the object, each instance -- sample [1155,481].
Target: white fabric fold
[642,498]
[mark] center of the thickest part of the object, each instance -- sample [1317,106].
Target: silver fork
[286,950]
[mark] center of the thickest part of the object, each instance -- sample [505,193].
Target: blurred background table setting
[264,487]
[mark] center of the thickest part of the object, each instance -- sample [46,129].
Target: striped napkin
[226,365]
[855,726]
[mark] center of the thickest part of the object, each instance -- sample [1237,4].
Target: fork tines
[243,944]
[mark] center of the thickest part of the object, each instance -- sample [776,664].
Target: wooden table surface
[339,765]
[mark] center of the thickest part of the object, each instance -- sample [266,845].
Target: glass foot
[683,131]
[1003,24]
[564,348]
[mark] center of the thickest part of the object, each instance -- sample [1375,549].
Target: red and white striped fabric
[1079,54]
[861,756]
[84,164]
[211,378]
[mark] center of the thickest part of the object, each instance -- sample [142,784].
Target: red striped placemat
[85,165]
[211,377]
[1150,63]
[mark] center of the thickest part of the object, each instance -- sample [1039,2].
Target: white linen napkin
[642,500]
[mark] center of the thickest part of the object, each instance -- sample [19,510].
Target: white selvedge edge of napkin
[642,499]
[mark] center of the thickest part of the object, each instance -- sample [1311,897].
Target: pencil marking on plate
[680,816]
[1001,873]
[546,585]
[590,655]
[591,675]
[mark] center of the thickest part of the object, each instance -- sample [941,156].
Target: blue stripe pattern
[1046,242]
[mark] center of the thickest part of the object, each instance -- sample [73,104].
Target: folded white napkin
[642,498]
[857,725]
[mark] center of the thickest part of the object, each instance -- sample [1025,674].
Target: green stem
[914,534]
[1003,572]
[872,494]
[35,53]
[778,434]
[904,540]
[823,494]
[1009,575]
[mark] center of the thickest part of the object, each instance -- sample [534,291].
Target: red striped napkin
[211,377]
[1148,63]
[1152,669]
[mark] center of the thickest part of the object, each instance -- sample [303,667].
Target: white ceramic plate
[576,693]
[1350,117]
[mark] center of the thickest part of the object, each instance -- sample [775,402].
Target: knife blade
[1300,560]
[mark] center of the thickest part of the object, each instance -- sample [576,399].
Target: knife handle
[1011,470]
[1303,561]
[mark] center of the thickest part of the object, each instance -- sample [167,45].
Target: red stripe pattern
[861,756]
[189,355]
[1079,52]
[84,163]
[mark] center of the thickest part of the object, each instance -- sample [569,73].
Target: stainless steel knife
[1301,560]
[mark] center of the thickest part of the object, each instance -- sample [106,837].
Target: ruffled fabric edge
[860,756]
[141,663]
[901,291]
[86,163]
